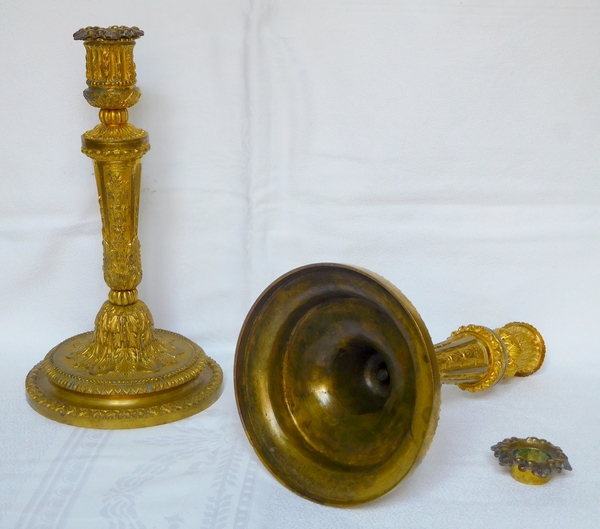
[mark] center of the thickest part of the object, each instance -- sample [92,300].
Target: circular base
[61,391]
[336,383]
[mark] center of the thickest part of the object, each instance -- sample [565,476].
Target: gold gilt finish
[338,383]
[476,358]
[126,373]
[532,460]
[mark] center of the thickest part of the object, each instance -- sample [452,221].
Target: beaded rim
[509,453]
[110,33]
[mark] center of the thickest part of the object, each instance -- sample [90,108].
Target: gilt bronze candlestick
[338,383]
[126,373]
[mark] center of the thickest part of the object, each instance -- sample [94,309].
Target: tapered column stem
[476,358]
[116,148]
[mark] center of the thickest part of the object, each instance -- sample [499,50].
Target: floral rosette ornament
[532,460]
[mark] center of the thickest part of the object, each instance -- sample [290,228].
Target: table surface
[202,471]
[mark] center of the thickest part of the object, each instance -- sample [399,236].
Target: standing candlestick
[126,373]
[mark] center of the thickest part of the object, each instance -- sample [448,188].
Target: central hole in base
[361,378]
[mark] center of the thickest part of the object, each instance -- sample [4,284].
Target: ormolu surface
[124,374]
[338,383]
[61,392]
[326,374]
[477,358]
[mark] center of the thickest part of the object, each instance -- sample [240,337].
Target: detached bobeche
[532,460]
